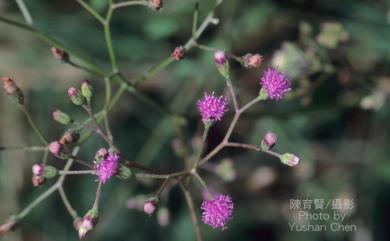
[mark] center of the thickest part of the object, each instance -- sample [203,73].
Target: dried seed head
[178,53]
[9,225]
[59,54]
[38,181]
[69,137]
[12,90]
[252,60]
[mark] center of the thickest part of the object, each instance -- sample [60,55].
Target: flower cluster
[275,83]
[212,108]
[217,211]
[108,167]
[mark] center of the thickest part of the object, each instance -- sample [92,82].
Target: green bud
[50,172]
[75,96]
[87,90]
[289,159]
[124,172]
[263,95]
[61,117]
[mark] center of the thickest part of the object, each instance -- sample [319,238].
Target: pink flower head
[217,211]
[38,169]
[55,148]
[150,206]
[108,167]
[220,57]
[275,83]
[212,108]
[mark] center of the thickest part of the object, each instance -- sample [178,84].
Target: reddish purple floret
[108,167]
[212,108]
[275,83]
[217,211]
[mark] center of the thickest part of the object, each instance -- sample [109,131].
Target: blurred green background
[337,119]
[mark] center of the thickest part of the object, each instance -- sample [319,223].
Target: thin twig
[26,14]
[129,3]
[67,204]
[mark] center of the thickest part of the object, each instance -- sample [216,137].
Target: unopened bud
[221,60]
[269,140]
[163,216]
[69,138]
[252,60]
[156,4]
[61,117]
[86,90]
[150,206]
[124,172]
[101,154]
[44,171]
[88,222]
[59,54]
[13,91]
[75,96]
[9,225]
[289,159]
[38,180]
[178,53]
[38,169]
[55,148]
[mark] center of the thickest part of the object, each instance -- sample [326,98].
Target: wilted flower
[276,84]
[156,4]
[88,222]
[12,90]
[217,211]
[108,167]
[252,60]
[212,108]
[178,53]
[59,54]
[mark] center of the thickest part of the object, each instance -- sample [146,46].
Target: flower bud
[178,53]
[59,54]
[75,96]
[13,91]
[38,169]
[150,206]
[61,117]
[156,4]
[124,172]
[38,180]
[221,60]
[289,159]
[252,60]
[70,137]
[55,148]
[9,225]
[86,90]
[163,216]
[101,154]
[269,140]
[88,222]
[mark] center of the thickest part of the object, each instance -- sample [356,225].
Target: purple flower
[212,108]
[217,211]
[275,83]
[108,167]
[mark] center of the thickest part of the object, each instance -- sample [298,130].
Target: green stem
[204,138]
[23,148]
[98,195]
[107,35]
[26,14]
[67,204]
[154,70]
[91,11]
[82,172]
[33,125]
[129,3]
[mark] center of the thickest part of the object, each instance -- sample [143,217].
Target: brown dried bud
[38,180]
[9,225]
[178,53]
[156,4]
[69,137]
[59,54]
[252,60]
[13,90]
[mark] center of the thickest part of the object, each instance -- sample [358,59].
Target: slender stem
[91,11]
[247,106]
[204,138]
[252,147]
[26,14]
[23,148]
[107,35]
[82,172]
[153,70]
[16,24]
[33,125]
[190,204]
[67,204]
[99,130]
[201,181]
[82,162]
[129,3]
[45,156]
[161,189]
[98,195]
[195,19]
[161,176]
[232,93]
